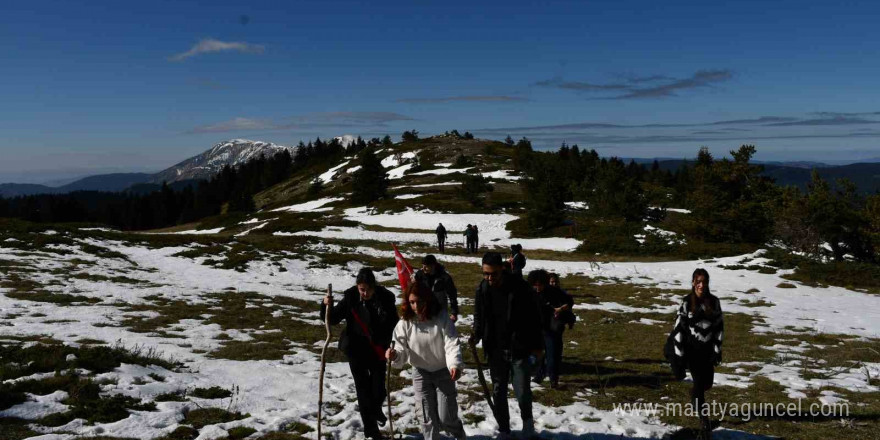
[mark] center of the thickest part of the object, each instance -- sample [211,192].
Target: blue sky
[120,86]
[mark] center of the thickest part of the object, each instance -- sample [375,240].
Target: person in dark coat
[507,321]
[441,237]
[434,276]
[555,282]
[555,308]
[695,342]
[476,238]
[370,316]
[469,238]
[517,259]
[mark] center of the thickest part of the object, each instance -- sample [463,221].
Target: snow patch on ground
[198,232]
[408,196]
[397,173]
[441,171]
[312,206]
[331,173]
[502,175]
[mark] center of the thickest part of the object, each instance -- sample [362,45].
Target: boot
[705,429]
[528,431]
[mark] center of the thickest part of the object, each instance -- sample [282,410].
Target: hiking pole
[486,394]
[323,360]
[388,387]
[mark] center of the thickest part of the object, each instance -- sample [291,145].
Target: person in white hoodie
[426,339]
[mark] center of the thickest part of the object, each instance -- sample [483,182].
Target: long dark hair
[707,295]
[429,306]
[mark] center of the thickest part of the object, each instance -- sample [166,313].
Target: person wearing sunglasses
[507,321]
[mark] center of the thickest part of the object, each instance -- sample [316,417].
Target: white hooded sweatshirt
[429,345]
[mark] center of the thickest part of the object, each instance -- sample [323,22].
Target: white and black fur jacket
[701,331]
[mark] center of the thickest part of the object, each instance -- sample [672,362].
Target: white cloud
[209,45]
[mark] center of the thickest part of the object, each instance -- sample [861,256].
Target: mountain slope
[233,152]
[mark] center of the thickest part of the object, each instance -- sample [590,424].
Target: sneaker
[381,419]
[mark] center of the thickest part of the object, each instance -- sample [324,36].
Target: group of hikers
[471,237]
[519,322]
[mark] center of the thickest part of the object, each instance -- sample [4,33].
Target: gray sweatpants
[437,405]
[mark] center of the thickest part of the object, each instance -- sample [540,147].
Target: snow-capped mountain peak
[233,152]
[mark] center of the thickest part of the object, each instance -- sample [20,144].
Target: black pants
[518,373]
[369,381]
[470,246]
[549,366]
[703,372]
[441,242]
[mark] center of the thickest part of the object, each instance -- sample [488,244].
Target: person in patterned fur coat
[696,341]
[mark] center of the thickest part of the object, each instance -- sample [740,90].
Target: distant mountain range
[866,176]
[235,152]
[104,182]
[232,152]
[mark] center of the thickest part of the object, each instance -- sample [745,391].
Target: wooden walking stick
[388,388]
[486,394]
[323,359]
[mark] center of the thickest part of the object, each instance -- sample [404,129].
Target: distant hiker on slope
[506,320]
[555,314]
[695,343]
[441,237]
[476,238]
[469,239]
[517,260]
[370,316]
[435,277]
[426,338]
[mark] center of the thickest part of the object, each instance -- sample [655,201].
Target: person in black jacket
[695,343]
[507,321]
[555,314]
[441,237]
[370,316]
[434,275]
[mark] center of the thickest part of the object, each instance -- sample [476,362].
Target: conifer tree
[370,182]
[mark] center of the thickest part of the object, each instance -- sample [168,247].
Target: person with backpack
[434,276]
[556,312]
[370,316]
[506,320]
[517,259]
[441,237]
[695,344]
[469,239]
[426,338]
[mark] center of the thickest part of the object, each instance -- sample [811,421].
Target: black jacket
[441,232]
[519,262]
[523,317]
[553,298]
[443,287]
[379,314]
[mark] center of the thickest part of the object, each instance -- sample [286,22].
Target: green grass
[43,358]
[847,274]
[211,393]
[202,417]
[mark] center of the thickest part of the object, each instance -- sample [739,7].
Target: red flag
[404,270]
